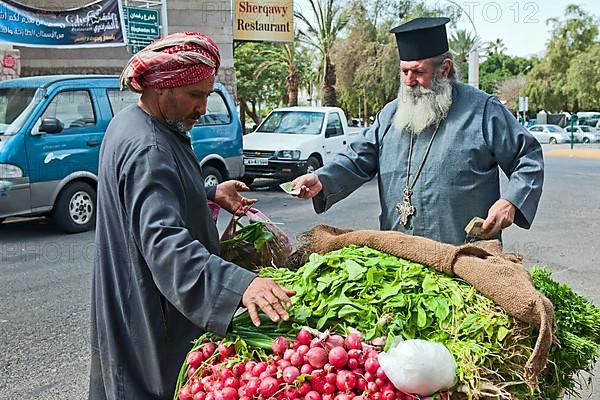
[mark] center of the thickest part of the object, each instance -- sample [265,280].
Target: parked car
[294,140]
[583,134]
[547,133]
[51,128]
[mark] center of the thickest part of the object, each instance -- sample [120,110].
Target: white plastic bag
[419,366]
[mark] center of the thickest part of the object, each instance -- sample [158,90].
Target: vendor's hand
[272,298]
[229,198]
[501,215]
[309,185]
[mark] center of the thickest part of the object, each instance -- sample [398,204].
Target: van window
[13,103]
[73,108]
[119,99]
[334,125]
[217,112]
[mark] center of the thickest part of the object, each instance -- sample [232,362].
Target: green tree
[329,20]
[583,78]
[498,68]
[461,42]
[295,61]
[495,47]
[547,83]
[266,89]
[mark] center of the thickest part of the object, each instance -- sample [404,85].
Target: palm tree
[461,43]
[495,47]
[287,58]
[330,19]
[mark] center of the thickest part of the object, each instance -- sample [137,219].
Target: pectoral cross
[405,207]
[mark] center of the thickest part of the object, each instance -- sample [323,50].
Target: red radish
[259,368]
[225,373]
[200,396]
[210,396]
[268,386]
[195,358]
[185,393]
[330,377]
[306,369]
[352,341]
[369,377]
[302,349]
[358,398]
[208,349]
[232,382]
[238,369]
[317,380]
[327,397]
[352,363]
[229,393]
[334,341]
[317,357]
[296,359]
[377,396]
[191,372]
[354,353]
[372,387]
[226,351]
[283,364]
[304,388]
[371,365]
[249,365]
[252,387]
[304,337]
[361,384]
[271,369]
[288,354]
[342,396]
[312,395]
[290,393]
[196,386]
[329,388]
[338,357]
[245,398]
[345,380]
[380,382]
[388,395]
[290,374]
[381,374]
[280,345]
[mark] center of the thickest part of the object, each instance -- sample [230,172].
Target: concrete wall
[210,17]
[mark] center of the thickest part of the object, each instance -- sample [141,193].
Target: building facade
[213,18]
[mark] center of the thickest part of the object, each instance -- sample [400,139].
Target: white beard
[419,108]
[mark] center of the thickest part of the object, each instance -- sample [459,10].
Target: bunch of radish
[321,367]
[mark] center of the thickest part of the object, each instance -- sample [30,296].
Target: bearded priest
[435,151]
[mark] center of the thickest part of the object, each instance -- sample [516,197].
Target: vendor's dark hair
[438,60]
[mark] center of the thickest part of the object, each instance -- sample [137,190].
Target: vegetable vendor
[158,280]
[436,150]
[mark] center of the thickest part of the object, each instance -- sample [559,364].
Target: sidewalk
[589,150]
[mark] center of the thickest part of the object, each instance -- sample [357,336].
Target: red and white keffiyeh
[176,60]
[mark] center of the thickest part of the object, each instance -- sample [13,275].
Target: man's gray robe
[460,177]
[158,282]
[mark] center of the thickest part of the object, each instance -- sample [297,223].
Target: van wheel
[552,140]
[586,140]
[75,208]
[2,220]
[312,164]
[212,176]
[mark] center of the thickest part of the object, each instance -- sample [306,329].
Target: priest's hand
[229,198]
[272,298]
[501,215]
[309,185]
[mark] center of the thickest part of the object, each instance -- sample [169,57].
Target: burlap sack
[500,277]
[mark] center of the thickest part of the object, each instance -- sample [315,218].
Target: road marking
[579,153]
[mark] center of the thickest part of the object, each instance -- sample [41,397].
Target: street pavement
[45,275]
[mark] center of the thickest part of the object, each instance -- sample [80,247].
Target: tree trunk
[365,112]
[292,81]
[252,113]
[285,99]
[329,95]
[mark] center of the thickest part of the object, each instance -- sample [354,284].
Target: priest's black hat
[421,38]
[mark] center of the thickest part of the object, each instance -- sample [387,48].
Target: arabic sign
[142,27]
[94,25]
[270,21]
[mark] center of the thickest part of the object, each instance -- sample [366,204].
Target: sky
[521,24]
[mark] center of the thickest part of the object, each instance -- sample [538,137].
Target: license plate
[256,161]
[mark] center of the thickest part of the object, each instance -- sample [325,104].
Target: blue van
[51,128]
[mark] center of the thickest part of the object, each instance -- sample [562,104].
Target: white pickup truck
[294,140]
